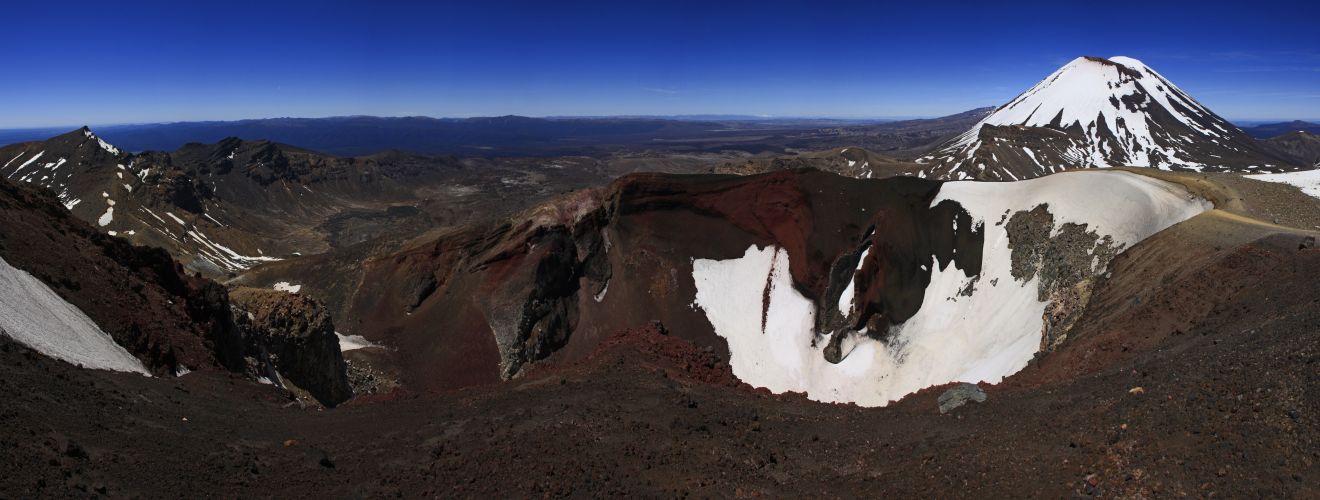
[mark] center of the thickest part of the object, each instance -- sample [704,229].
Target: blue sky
[73,63]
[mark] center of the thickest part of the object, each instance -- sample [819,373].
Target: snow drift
[32,314]
[1308,181]
[971,329]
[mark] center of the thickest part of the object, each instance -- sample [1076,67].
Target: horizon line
[675,117]
[681,116]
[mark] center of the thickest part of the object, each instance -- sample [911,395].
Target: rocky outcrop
[960,394]
[295,336]
[174,188]
[538,307]
[1065,260]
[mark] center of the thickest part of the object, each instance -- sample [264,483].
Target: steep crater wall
[1045,241]
[478,305]
[845,289]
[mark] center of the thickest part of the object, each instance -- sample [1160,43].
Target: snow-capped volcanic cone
[1096,112]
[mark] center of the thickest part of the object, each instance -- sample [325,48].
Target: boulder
[294,334]
[959,395]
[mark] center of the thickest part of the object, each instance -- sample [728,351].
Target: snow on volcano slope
[1086,91]
[1306,180]
[983,337]
[32,314]
[1096,112]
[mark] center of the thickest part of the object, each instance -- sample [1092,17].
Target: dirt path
[1268,202]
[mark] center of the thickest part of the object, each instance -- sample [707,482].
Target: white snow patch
[353,342]
[845,298]
[1306,180]
[34,315]
[778,357]
[981,338]
[106,217]
[285,286]
[104,145]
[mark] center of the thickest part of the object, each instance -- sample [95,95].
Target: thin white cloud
[660,90]
[1272,69]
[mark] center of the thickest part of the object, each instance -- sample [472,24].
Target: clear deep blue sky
[73,62]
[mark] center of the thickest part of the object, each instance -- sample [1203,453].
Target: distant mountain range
[748,118]
[358,135]
[1268,130]
[523,136]
[526,136]
[1300,144]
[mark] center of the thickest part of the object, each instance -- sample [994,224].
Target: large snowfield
[32,314]
[979,338]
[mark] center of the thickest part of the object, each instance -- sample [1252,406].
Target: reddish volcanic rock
[477,305]
[675,357]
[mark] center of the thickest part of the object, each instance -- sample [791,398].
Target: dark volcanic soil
[1196,372]
[1226,405]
